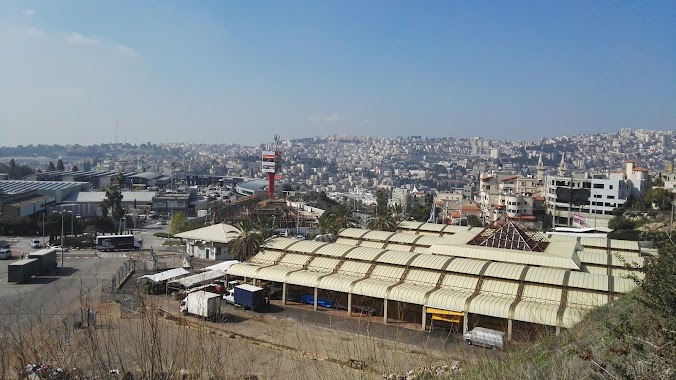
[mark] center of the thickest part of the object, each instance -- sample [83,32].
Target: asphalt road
[46,297]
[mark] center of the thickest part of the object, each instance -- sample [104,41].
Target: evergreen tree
[59,165]
[51,167]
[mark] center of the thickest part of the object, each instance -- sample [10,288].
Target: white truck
[202,304]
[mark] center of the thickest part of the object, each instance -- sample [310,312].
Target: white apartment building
[588,200]
[504,193]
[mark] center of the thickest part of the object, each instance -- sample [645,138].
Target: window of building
[610,187]
[599,186]
[611,197]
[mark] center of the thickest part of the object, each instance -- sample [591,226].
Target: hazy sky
[239,72]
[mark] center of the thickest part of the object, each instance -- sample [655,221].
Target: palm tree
[397,212]
[380,218]
[264,225]
[342,217]
[248,243]
[326,223]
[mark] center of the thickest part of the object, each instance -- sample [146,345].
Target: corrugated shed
[428,233]
[352,268]
[455,229]
[464,283]
[623,285]
[307,246]
[422,277]
[545,275]
[588,281]
[409,225]
[504,270]
[403,238]
[626,254]
[338,282]
[364,253]
[491,305]
[396,257]
[372,287]
[594,242]
[448,299]
[294,260]
[398,247]
[353,232]
[190,281]
[347,241]
[505,255]
[387,272]
[432,227]
[335,250]
[535,312]
[305,278]
[372,244]
[603,251]
[624,273]
[468,266]
[420,250]
[499,288]
[542,294]
[267,257]
[597,270]
[622,260]
[593,257]
[275,273]
[428,240]
[245,270]
[578,298]
[410,293]
[378,235]
[626,245]
[279,243]
[430,261]
[221,233]
[323,264]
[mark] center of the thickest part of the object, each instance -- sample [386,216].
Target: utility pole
[62,239]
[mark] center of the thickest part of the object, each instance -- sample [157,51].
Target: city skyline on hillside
[93,72]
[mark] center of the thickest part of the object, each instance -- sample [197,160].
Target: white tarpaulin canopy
[166,275]
[224,266]
[190,281]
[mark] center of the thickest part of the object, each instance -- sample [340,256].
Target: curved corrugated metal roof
[275,273]
[308,246]
[245,270]
[491,305]
[338,282]
[347,241]
[294,260]
[409,225]
[430,261]
[395,257]
[552,276]
[403,238]
[504,270]
[372,244]
[410,293]
[372,287]
[337,250]
[588,281]
[499,288]
[387,272]
[323,264]
[305,278]
[464,283]
[364,253]
[279,243]
[398,247]
[422,277]
[428,240]
[505,255]
[623,285]
[267,257]
[448,299]
[352,268]
[468,266]
[378,235]
[542,294]
[353,232]
[627,245]
[579,298]
[535,312]
[420,250]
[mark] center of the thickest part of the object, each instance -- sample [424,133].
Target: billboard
[580,220]
[268,162]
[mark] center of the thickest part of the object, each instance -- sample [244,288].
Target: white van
[481,336]
[35,243]
[5,254]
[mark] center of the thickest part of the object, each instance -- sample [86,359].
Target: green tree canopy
[248,243]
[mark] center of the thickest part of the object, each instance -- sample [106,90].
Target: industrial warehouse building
[504,276]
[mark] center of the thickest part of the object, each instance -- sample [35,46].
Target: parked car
[4,244]
[35,243]
[5,254]
[59,249]
[162,223]
[489,338]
